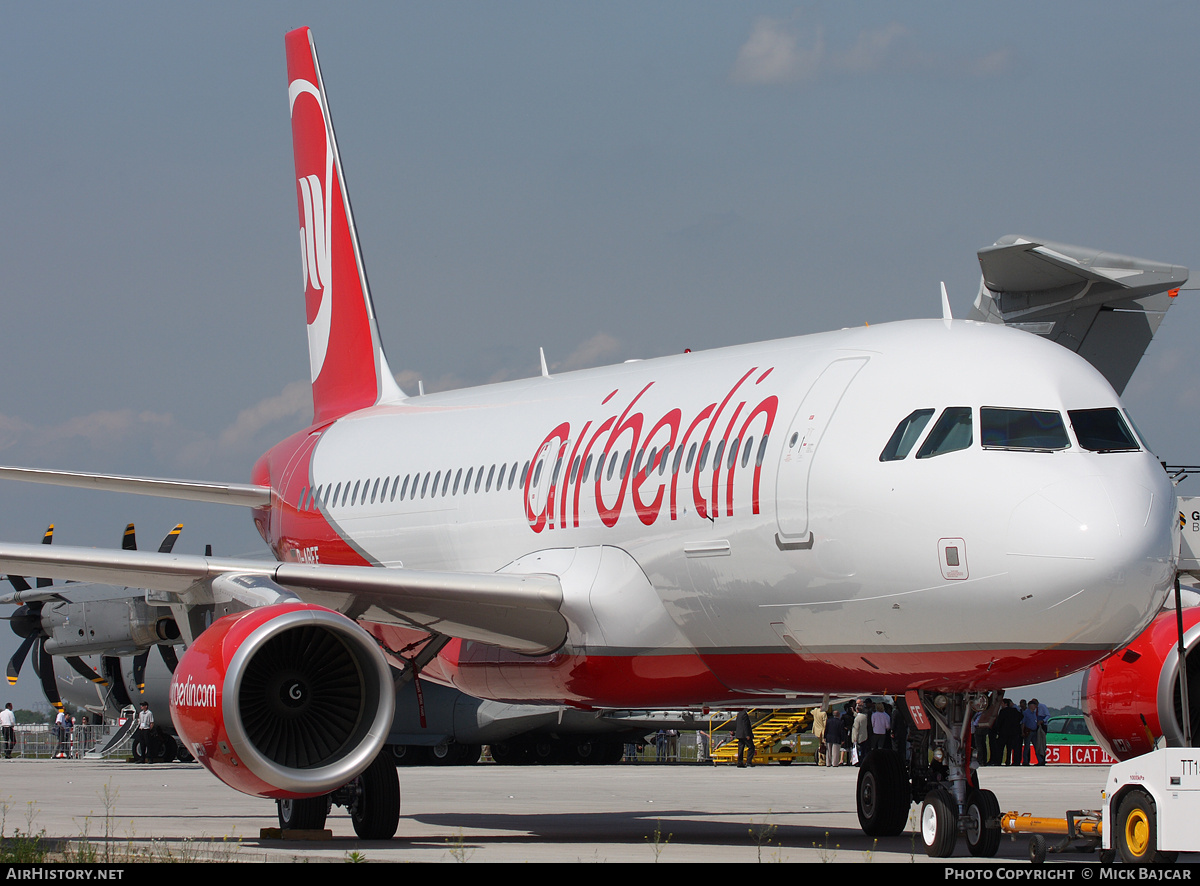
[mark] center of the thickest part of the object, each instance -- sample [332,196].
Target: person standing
[141,741]
[860,733]
[1041,714]
[835,735]
[744,733]
[820,719]
[8,730]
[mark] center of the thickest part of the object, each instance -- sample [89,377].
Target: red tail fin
[349,370]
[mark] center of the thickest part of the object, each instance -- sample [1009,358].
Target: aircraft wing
[243,494]
[517,612]
[1105,307]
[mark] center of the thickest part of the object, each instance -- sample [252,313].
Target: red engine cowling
[286,701]
[1132,697]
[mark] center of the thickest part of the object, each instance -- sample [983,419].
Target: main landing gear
[939,776]
[372,799]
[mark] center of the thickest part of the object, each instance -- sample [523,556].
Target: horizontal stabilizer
[517,612]
[1105,307]
[244,494]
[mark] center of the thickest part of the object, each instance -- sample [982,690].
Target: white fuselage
[802,562]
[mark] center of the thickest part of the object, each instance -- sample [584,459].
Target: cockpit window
[1102,430]
[1021,429]
[905,437]
[951,433]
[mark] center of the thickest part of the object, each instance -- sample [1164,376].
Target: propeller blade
[168,543]
[48,538]
[46,672]
[18,659]
[18,583]
[170,659]
[129,540]
[84,670]
[139,669]
[112,670]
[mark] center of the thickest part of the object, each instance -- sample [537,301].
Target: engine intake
[1133,697]
[290,700]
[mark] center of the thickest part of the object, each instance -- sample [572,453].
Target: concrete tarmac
[634,813]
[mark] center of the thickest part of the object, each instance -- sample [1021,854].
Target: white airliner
[941,508]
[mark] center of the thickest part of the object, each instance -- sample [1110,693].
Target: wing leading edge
[517,612]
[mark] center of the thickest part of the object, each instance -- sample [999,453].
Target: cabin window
[1028,429]
[524,474]
[1101,430]
[762,451]
[663,458]
[404,488]
[425,484]
[500,479]
[457,478]
[467,482]
[537,472]
[717,456]
[625,464]
[487,487]
[704,456]
[446,483]
[678,459]
[512,475]
[747,451]
[733,450]
[637,462]
[691,457]
[612,466]
[374,490]
[952,432]
[905,437]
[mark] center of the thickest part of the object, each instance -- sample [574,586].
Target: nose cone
[1097,552]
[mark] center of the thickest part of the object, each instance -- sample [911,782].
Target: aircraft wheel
[444,754]
[307,814]
[404,754]
[983,824]
[1137,831]
[375,811]
[547,751]
[939,824]
[469,754]
[1037,849]
[883,796]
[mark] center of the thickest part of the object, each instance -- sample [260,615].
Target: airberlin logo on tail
[314,172]
[646,466]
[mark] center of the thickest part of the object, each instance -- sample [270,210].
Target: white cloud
[780,52]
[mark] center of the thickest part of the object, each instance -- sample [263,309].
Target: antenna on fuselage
[420,388]
[542,357]
[946,315]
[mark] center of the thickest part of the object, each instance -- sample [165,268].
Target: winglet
[346,360]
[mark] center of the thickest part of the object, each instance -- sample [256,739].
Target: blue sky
[604,180]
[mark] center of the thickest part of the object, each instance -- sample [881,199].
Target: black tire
[469,754]
[307,814]
[1136,833]
[546,751]
[405,754]
[883,797]
[983,824]
[939,824]
[158,749]
[376,811]
[1037,849]
[182,754]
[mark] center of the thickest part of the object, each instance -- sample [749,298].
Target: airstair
[776,737]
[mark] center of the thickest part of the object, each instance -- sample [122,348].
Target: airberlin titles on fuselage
[643,481]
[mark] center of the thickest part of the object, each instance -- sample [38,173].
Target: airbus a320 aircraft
[940,508]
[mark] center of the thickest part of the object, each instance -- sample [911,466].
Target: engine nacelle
[1132,698]
[286,701]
